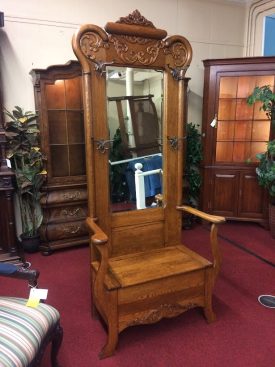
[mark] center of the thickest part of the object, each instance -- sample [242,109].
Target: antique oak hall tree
[140,270]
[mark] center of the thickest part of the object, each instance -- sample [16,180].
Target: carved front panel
[145,304]
[66,213]
[151,316]
[55,232]
[130,50]
[64,196]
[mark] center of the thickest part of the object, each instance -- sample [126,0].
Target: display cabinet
[58,98]
[236,135]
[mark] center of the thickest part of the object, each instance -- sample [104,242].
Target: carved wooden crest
[137,19]
[133,41]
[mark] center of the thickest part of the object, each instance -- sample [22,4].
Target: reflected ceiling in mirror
[134,105]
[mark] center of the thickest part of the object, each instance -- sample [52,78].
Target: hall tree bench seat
[174,277]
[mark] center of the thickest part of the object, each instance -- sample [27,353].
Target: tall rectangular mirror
[134,110]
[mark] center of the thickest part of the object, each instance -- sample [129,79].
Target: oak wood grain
[141,272]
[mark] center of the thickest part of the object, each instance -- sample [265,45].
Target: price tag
[8,163]
[35,296]
[32,302]
[38,293]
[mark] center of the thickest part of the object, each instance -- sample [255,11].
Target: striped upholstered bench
[26,331]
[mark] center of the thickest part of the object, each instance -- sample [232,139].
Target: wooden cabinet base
[47,248]
[65,211]
[235,194]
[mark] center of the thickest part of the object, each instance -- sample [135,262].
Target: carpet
[250,237]
[243,334]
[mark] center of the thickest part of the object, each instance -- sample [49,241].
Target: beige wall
[38,34]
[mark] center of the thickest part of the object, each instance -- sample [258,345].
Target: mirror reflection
[134,105]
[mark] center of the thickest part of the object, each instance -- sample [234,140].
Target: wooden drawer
[65,213]
[64,196]
[58,231]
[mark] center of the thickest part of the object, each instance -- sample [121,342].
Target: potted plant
[266,177]
[192,176]
[192,163]
[27,163]
[266,169]
[266,96]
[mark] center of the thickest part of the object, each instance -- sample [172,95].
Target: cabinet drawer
[65,213]
[64,196]
[58,231]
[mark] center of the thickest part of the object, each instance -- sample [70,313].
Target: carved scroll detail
[71,229]
[136,18]
[164,310]
[71,212]
[130,56]
[178,52]
[91,43]
[72,195]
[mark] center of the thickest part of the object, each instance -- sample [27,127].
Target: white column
[139,184]
[130,92]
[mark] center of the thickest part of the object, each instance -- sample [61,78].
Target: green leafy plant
[192,164]
[26,159]
[266,96]
[266,169]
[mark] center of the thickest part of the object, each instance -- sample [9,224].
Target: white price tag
[8,163]
[214,122]
[37,293]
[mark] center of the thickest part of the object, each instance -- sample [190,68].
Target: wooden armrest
[99,237]
[209,217]
[214,219]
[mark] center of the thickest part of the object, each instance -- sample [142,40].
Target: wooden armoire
[230,185]
[58,99]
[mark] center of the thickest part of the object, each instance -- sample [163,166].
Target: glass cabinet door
[242,130]
[65,128]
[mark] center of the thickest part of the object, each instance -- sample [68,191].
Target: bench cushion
[22,329]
